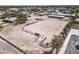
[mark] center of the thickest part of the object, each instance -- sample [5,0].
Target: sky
[39,2]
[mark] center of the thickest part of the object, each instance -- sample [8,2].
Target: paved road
[13,45]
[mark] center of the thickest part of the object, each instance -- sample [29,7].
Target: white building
[11,19]
[56,16]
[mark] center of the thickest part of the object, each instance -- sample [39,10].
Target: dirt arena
[47,27]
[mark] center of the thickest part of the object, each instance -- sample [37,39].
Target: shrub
[57,43]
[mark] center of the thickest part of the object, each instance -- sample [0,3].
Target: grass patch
[75,26]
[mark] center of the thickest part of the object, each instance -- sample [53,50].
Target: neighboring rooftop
[71,44]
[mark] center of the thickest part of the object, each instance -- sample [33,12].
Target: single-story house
[11,19]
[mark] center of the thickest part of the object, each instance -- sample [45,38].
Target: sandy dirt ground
[21,39]
[47,27]
[25,41]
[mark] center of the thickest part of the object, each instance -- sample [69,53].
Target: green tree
[35,10]
[57,43]
[21,19]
